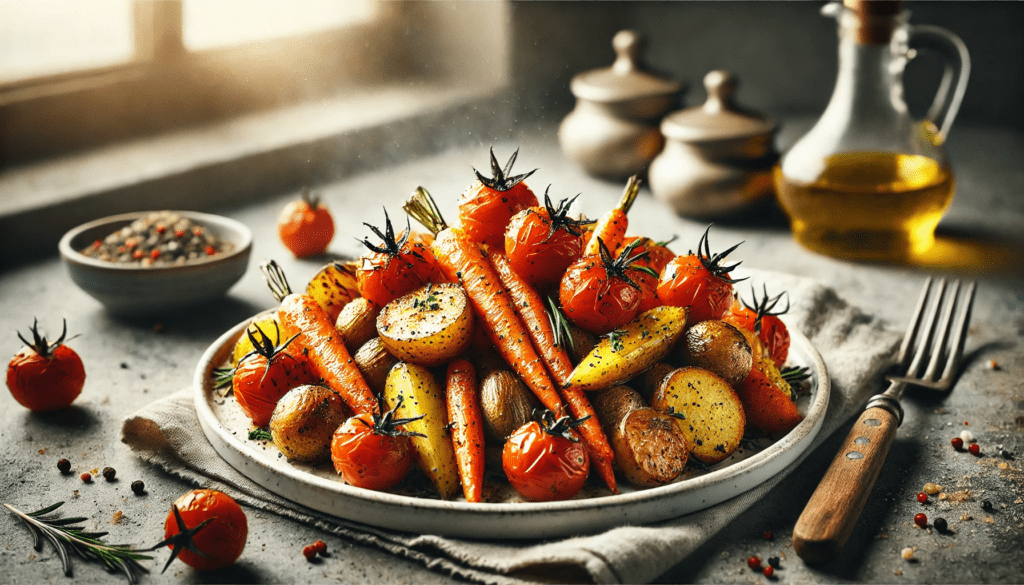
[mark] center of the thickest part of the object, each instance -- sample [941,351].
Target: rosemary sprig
[795,375]
[117,557]
[560,326]
[260,434]
[222,378]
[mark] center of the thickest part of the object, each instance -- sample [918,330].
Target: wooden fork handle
[833,510]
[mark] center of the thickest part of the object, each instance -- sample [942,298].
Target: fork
[830,515]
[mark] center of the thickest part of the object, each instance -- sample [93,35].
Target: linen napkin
[856,348]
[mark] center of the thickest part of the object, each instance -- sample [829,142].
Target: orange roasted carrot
[611,228]
[466,420]
[461,260]
[317,337]
[530,307]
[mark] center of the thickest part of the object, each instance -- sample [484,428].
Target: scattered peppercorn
[767,534]
[1006,454]
[986,505]
[309,552]
[907,553]
[64,465]
[940,524]
[754,563]
[922,497]
[109,473]
[993,365]
[321,547]
[774,562]
[769,571]
[138,487]
[921,520]
[86,477]
[975,449]
[958,443]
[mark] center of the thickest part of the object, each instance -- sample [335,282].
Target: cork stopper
[877,19]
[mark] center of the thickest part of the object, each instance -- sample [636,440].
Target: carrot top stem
[422,208]
[274,275]
[629,195]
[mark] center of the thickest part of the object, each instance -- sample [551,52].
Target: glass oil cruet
[867,181]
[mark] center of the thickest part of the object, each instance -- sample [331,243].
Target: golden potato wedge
[334,286]
[649,447]
[374,363]
[706,409]
[429,326]
[304,421]
[625,353]
[719,347]
[357,323]
[506,404]
[422,394]
[269,325]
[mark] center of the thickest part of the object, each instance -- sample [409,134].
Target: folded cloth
[855,346]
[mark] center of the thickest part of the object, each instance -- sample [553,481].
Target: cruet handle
[957,62]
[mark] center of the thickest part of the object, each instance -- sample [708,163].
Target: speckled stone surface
[130,363]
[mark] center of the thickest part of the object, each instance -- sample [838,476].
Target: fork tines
[930,334]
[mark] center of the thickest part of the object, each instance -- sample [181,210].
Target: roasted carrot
[611,228]
[301,315]
[461,260]
[530,308]
[466,420]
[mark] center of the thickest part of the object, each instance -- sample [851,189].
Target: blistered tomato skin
[657,257]
[222,540]
[595,300]
[368,459]
[536,253]
[45,376]
[542,467]
[484,213]
[774,333]
[384,277]
[685,282]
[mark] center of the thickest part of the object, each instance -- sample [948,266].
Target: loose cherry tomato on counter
[658,256]
[209,522]
[761,317]
[698,281]
[267,373]
[598,293]
[373,451]
[305,226]
[45,376]
[545,461]
[486,206]
[541,242]
[397,266]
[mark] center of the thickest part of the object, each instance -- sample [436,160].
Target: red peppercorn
[921,520]
[754,563]
[309,552]
[64,465]
[767,535]
[922,497]
[137,254]
[86,477]
[154,254]
[975,449]
[161,229]
[97,244]
[197,232]
[320,546]
[957,443]
[210,250]
[769,571]
[179,233]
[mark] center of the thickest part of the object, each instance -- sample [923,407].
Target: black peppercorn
[109,473]
[986,505]
[138,487]
[940,524]
[774,562]
[64,465]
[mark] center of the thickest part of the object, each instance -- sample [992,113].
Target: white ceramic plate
[593,510]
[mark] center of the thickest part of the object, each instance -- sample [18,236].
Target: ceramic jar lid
[719,118]
[625,80]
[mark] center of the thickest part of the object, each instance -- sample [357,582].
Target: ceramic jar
[717,158]
[613,131]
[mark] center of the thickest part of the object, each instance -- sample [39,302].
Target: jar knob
[627,45]
[720,85]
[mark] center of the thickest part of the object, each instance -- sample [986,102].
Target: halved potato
[304,421]
[415,391]
[334,286]
[357,323]
[706,409]
[719,347]
[429,326]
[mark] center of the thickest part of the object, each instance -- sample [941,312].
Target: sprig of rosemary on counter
[65,538]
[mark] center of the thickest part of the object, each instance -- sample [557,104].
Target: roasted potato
[766,396]
[706,409]
[719,347]
[647,383]
[649,447]
[429,327]
[334,286]
[506,404]
[582,343]
[304,421]
[414,391]
[357,323]
[374,363]
[637,346]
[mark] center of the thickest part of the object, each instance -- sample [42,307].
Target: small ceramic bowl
[132,290]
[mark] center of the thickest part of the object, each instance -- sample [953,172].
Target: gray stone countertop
[130,363]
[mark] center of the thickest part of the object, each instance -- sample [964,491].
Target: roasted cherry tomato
[762,317]
[45,376]
[598,293]
[541,242]
[698,281]
[658,256]
[220,542]
[487,205]
[305,226]
[397,266]
[545,461]
[373,451]
[267,373]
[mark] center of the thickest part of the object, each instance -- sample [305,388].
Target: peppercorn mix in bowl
[148,263]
